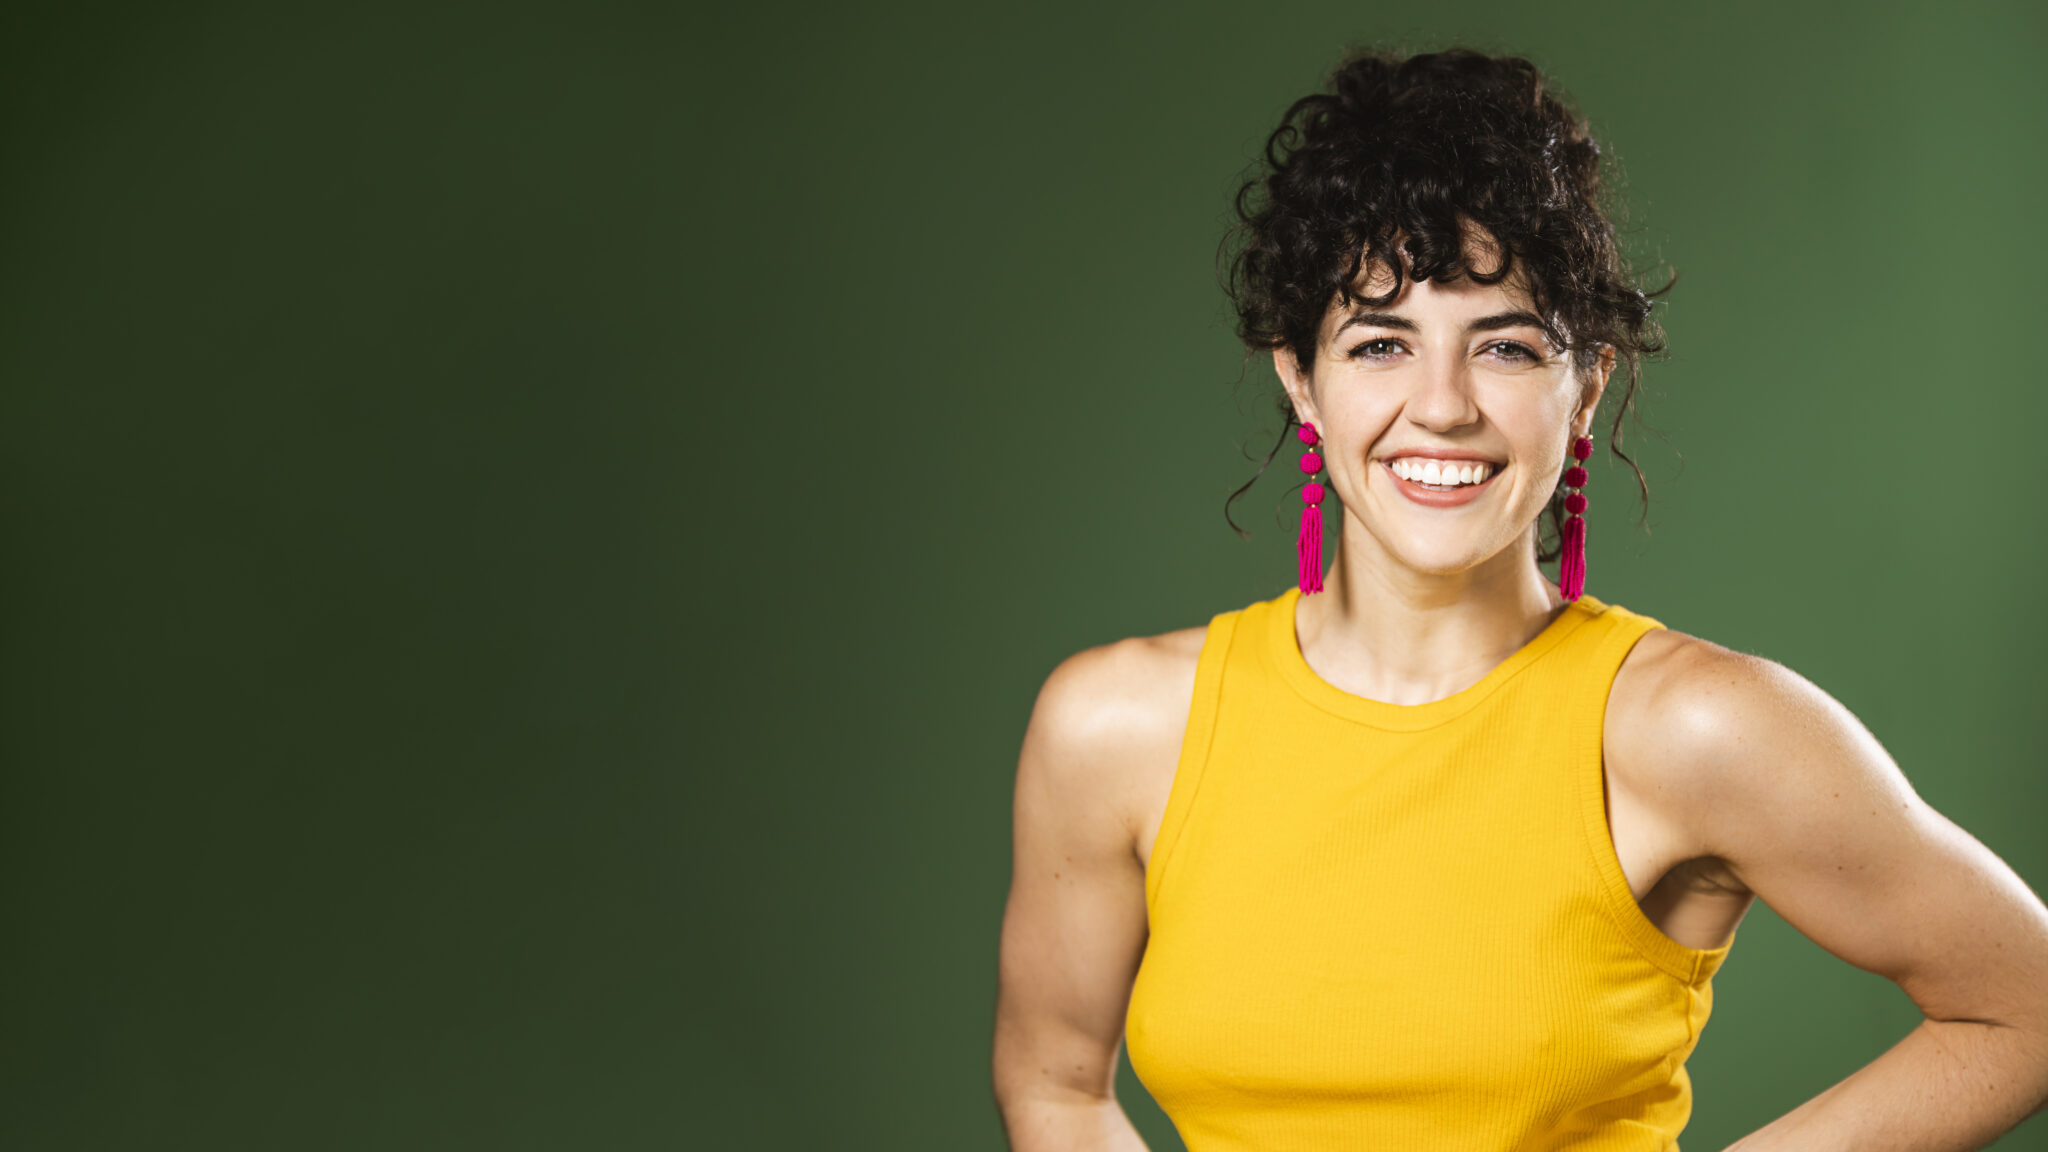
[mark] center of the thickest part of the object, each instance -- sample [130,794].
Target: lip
[1442,454]
[1432,499]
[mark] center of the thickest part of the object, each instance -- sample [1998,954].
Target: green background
[532,532]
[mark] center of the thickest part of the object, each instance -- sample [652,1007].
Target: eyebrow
[1483,324]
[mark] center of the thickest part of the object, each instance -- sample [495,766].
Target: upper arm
[1074,927]
[1798,798]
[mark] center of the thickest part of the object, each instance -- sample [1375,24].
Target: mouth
[1425,474]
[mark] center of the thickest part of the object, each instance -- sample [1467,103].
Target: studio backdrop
[532,531]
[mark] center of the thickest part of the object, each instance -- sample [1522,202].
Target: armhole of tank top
[1682,963]
[1194,750]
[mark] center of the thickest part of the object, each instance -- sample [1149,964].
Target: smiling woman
[1444,854]
[1439,370]
[1448,167]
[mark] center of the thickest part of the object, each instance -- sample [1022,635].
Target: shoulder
[1673,684]
[1709,736]
[1801,805]
[1104,695]
[1707,705]
[1110,717]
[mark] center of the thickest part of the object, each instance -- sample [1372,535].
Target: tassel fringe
[1311,546]
[1571,565]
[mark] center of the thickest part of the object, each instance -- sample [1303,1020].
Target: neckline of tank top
[1285,648]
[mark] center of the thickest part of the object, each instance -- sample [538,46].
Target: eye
[1517,351]
[1375,349]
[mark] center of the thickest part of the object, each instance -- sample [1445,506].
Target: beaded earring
[1571,564]
[1309,544]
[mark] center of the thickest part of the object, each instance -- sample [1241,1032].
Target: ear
[1595,387]
[1300,389]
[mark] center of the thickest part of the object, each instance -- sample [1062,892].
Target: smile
[1441,484]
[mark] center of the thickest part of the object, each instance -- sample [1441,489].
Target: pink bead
[1575,477]
[1310,462]
[1582,447]
[1575,503]
[1308,435]
[1312,493]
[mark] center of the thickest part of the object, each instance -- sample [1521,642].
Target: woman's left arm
[1783,784]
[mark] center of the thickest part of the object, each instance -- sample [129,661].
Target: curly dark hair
[1414,150]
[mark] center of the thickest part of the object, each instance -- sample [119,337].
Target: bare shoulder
[1667,671]
[1704,705]
[1798,803]
[1110,718]
[1699,732]
[1075,923]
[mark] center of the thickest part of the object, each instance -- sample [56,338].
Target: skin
[1729,777]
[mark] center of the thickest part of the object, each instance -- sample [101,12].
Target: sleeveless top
[1383,926]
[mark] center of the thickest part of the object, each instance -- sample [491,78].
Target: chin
[1439,562]
[1457,552]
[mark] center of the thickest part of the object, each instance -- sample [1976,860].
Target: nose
[1442,399]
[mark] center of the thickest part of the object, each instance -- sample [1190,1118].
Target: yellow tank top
[1382,926]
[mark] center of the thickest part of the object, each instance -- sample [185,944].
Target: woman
[1430,851]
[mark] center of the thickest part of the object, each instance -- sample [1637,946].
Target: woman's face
[1459,373]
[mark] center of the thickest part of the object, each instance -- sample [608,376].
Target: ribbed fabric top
[1404,927]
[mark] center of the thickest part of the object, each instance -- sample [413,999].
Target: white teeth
[1441,473]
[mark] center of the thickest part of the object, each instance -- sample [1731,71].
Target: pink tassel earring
[1310,542]
[1571,564]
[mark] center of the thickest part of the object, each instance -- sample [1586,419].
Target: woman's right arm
[1074,928]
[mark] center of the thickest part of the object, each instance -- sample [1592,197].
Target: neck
[1387,632]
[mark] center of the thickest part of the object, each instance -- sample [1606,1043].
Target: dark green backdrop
[532,533]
